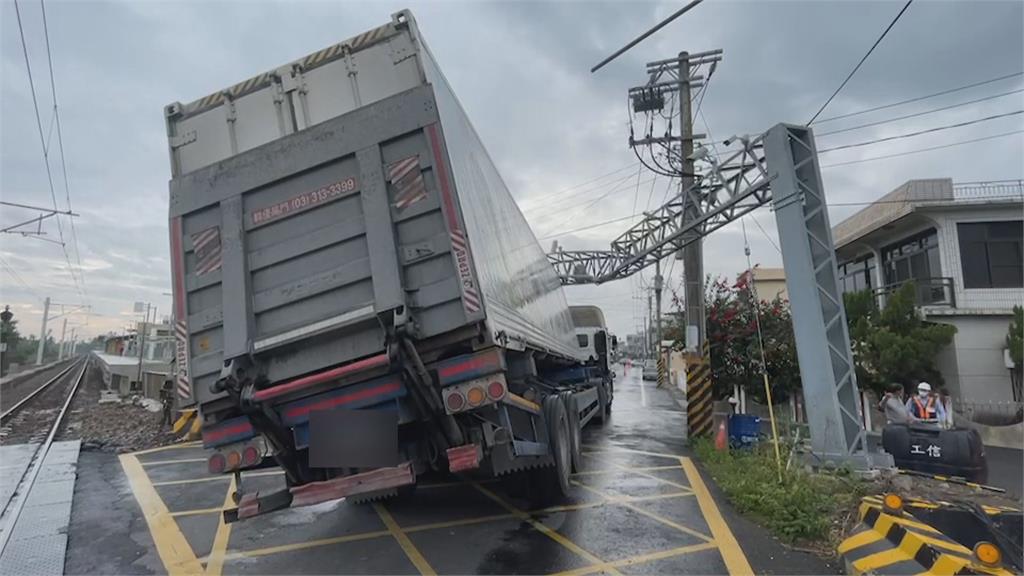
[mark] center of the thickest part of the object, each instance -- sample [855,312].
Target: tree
[1015,343]
[732,314]
[893,344]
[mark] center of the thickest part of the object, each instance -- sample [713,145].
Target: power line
[18,277]
[563,205]
[919,98]
[932,111]
[60,144]
[857,67]
[766,236]
[42,143]
[918,151]
[920,132]
[588,182]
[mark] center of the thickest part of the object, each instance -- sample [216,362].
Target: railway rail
[28,419]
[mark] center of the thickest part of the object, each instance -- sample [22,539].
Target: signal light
[987,553]
[892,502]
[250,456]
[475,396]
[455,402]
[234,459]
[495,390]
[216,463]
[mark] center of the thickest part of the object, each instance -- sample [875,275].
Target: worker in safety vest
[925,406]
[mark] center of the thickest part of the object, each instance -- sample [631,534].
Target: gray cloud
[522,72]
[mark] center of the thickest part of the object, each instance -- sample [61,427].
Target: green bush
[803,506]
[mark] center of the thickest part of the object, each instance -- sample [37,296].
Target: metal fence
[1006,189]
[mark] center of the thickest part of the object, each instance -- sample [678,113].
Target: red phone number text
[303,201]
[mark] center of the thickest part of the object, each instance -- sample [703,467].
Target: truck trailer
[357,297]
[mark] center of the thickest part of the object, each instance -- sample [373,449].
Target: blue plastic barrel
[744,429]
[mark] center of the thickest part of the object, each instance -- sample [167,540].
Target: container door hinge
[182,139]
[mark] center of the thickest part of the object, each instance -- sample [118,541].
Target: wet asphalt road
[640,506]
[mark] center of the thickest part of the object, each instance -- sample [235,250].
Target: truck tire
[553,485]
[575,440]
[602,405]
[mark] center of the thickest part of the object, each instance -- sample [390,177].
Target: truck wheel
[574,429]
[602,405]
[554,483]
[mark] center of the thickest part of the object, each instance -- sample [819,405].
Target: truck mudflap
[253,504]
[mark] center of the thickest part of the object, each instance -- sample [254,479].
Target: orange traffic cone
[721,437]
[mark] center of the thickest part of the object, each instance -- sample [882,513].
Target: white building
[961,244]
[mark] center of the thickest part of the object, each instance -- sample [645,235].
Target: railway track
[35,420]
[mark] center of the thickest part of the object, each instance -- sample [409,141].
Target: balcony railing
[927,292]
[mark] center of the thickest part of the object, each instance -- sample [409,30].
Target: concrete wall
[978,370]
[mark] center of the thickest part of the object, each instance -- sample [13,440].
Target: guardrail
[927,291]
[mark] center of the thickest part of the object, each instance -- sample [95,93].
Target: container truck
[357,297]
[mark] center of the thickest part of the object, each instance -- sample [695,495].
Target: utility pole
[63,332]
[693,253]
[5,354]
[42,332]
[648,324]
[141,341]
[658,280]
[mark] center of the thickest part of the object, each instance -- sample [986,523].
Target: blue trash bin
[744,429]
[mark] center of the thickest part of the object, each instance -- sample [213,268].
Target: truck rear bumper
[315,492]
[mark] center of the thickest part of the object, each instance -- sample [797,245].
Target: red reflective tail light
[250,456]
[216,464]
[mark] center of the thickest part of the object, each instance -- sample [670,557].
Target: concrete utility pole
[693,253]
[5,354]
[63,332]
[141,342]
[658,280]
[42,332]
[648,324]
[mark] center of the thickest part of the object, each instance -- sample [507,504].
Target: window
[856,276]
[583,339]
[991,254]
[914,258]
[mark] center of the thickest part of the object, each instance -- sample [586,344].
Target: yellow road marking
[222,477]
[857,540]
[460,522]
[236,554]
[215,562]
[640,559]
[540,527]
[171,545]
[641,469]
[735,561]
[197,512]
[651,515]
[402,538]
[644,474]
[168,447]
[619,450]
[181,461]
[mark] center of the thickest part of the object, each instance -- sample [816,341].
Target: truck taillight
[234,459]
[455,401]
[496,390]
[475,393]
[475,396]
[216,464]
[250,456]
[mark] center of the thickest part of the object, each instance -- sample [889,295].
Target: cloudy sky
[522,72]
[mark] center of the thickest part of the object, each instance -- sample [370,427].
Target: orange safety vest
[921,409]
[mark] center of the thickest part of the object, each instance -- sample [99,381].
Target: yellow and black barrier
[662,376]
[698,393]
[188,424]
[892,541]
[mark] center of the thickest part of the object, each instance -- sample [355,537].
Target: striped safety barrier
[698,393]
[662,375]
[188,424]
[894,541]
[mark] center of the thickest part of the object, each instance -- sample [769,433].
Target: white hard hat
[924,386]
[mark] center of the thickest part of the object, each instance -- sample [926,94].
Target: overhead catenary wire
[17,277]
[920,150]
[577,186]
[859,64]
[60,145]
[920,98]
[915,115]
[920,132]
[42,143]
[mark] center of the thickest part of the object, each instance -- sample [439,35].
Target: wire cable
[915,115]
[920,132]
[42,143]
[918,151]
[60,144]
[857,67]
[14,274]
[919,98]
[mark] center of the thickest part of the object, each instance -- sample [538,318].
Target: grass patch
[803,507]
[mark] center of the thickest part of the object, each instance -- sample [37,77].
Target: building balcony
[927,292]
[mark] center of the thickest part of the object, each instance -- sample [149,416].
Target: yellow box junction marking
[639,559]
[178,461]
[171,545]
[626,503]
[735,560]
[215,563]
[403,540]
[540,527]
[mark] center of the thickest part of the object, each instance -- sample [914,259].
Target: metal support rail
[32,471]
[10,411]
